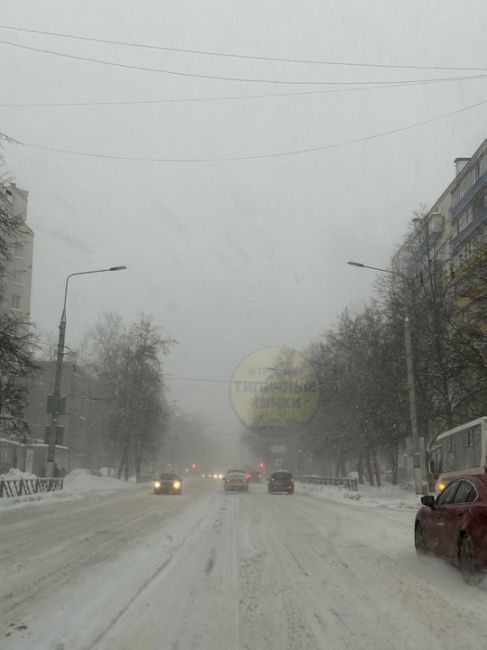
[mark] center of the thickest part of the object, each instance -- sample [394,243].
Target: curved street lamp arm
[377,268]
[112,268]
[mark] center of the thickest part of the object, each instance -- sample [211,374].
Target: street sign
[59,434]
[56,404]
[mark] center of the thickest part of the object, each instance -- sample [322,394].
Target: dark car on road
[168,484]
[454,526]
[281,481]
[236,480]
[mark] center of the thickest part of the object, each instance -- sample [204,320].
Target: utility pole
[55,402]
[418,474]
[413,419]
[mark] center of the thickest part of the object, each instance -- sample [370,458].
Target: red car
[454,526]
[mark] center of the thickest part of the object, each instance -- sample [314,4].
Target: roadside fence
[24,486]
[348,483]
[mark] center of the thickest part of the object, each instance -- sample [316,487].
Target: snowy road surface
[226,571]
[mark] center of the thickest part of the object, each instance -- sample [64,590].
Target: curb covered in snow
[78,484]
[372,497]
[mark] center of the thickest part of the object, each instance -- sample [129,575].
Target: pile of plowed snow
[14,473]
[78,484]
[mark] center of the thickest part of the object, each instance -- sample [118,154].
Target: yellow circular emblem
[274,387]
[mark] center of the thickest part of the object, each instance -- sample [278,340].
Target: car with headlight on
[236,480]
[281,481]
[453,525]
[168,484]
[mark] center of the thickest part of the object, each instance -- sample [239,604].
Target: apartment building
[468,216]
[452,238]
[85,412]
[16,272]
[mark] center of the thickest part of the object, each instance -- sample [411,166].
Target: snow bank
[14,473]
[78,484]
[389,496]
[81,480]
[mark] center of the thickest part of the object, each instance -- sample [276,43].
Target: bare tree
[16,363]
[129,369]
[15,341]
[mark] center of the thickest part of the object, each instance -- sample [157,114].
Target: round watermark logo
[274,387]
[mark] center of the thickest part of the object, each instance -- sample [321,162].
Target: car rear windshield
[282,476]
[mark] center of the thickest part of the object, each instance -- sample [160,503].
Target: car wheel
[290,491]
[470,573]
[419,542]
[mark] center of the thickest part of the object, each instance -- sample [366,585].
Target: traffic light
[193,466]
[261,465]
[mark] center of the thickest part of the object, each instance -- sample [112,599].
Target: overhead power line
[194,75]
[262,156]
[188,100]
[232,55]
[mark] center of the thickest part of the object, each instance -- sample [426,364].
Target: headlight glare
[176,485]
[157,484]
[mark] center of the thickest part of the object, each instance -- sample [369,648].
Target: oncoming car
[281,481]
[236,480]
[168,484]
[454,525]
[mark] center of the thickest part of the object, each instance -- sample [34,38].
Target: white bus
[460,451]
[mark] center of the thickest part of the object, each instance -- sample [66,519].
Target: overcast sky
[231,256]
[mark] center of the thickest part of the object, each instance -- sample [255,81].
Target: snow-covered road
[226,571]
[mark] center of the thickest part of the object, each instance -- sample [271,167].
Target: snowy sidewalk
[78,484]
[388,496]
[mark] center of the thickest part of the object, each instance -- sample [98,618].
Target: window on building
[18,249]
[15,303]
[483,165]
[18,277]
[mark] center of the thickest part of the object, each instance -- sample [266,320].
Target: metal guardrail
[24,486]
[348,483]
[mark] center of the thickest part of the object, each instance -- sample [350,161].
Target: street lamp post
[413,419]
[56,403]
